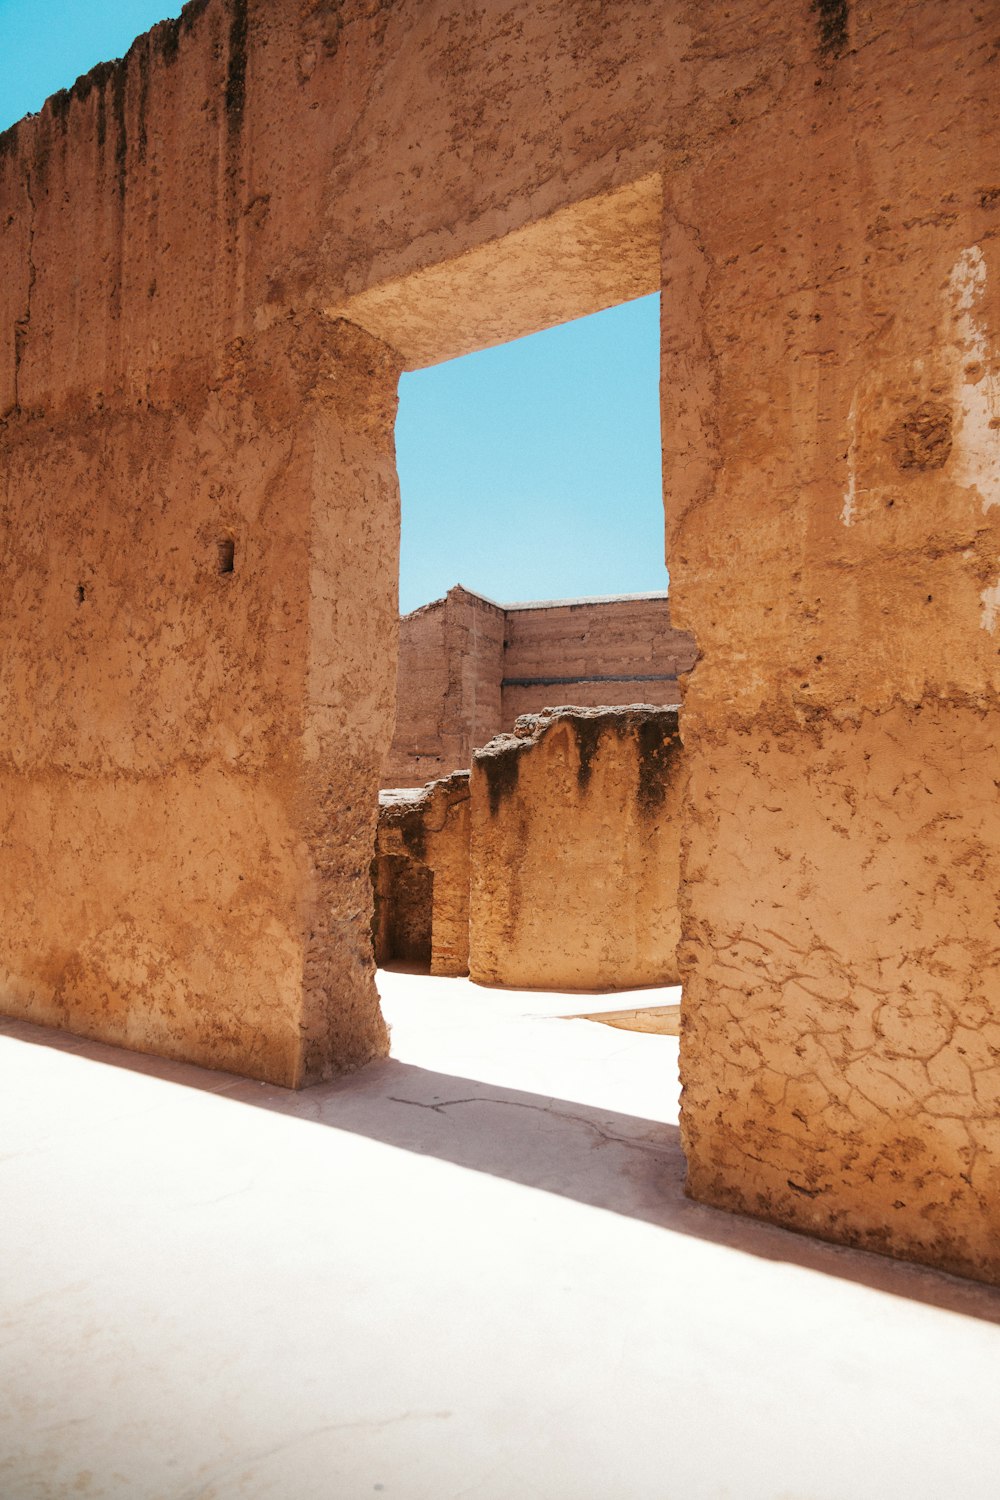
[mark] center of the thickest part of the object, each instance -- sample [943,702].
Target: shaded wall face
[831,366]
[184,749]
[404,911]
[575,855]
[425,835]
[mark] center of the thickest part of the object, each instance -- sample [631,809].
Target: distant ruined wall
[468,668]
[614,652]
[576,827]
[416,753]
[447,687]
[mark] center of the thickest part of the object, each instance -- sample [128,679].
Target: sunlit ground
[467,1271]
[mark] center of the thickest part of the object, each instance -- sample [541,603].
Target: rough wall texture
[447,687]
[176,875]
[821,180]
[178,872]
[403,924]
[576,849]
[831,414]
[468,668]
[424,830]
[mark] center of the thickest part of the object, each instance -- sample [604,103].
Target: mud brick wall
[173,863]
[575,851]
[447,687]
[591,653]
[421,874]
[832,450]
[468,668]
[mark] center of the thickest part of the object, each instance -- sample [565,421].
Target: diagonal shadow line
[620,1163]
[599,1157]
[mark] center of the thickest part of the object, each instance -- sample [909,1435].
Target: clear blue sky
[529,471]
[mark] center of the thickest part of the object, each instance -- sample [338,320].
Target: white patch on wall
[990,599]
[976,454]
[850,494]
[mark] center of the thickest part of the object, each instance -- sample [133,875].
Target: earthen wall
[576,826]
[208,282]
[831,378]
[591,653]
[448,687]
[468,668]
[421,872]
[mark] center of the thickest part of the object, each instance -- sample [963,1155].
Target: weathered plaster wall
[171,228]
[575,851]
[402,927]
[224,176]
[415,754]
[831,415]
[429,829]
[175,874]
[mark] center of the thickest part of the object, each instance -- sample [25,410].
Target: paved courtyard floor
[469,1271]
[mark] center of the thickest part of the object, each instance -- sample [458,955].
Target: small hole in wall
[930,598]
[81,593]
[227,554]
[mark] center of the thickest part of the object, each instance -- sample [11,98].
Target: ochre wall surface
[468,668]
[214,258]
[428,828]
[179,872]
[402,927]
[575,851]
[831,412]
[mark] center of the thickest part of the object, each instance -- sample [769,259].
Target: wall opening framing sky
[533,470]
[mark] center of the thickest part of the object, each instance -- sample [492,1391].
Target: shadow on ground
[619,1163]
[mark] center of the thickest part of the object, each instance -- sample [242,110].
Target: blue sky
[532,471]
[529,471]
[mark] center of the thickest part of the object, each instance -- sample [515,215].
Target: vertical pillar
[196,687]
[832,445]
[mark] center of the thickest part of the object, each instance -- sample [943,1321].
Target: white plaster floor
[469,1271]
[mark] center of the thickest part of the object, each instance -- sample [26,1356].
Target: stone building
[468,667]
